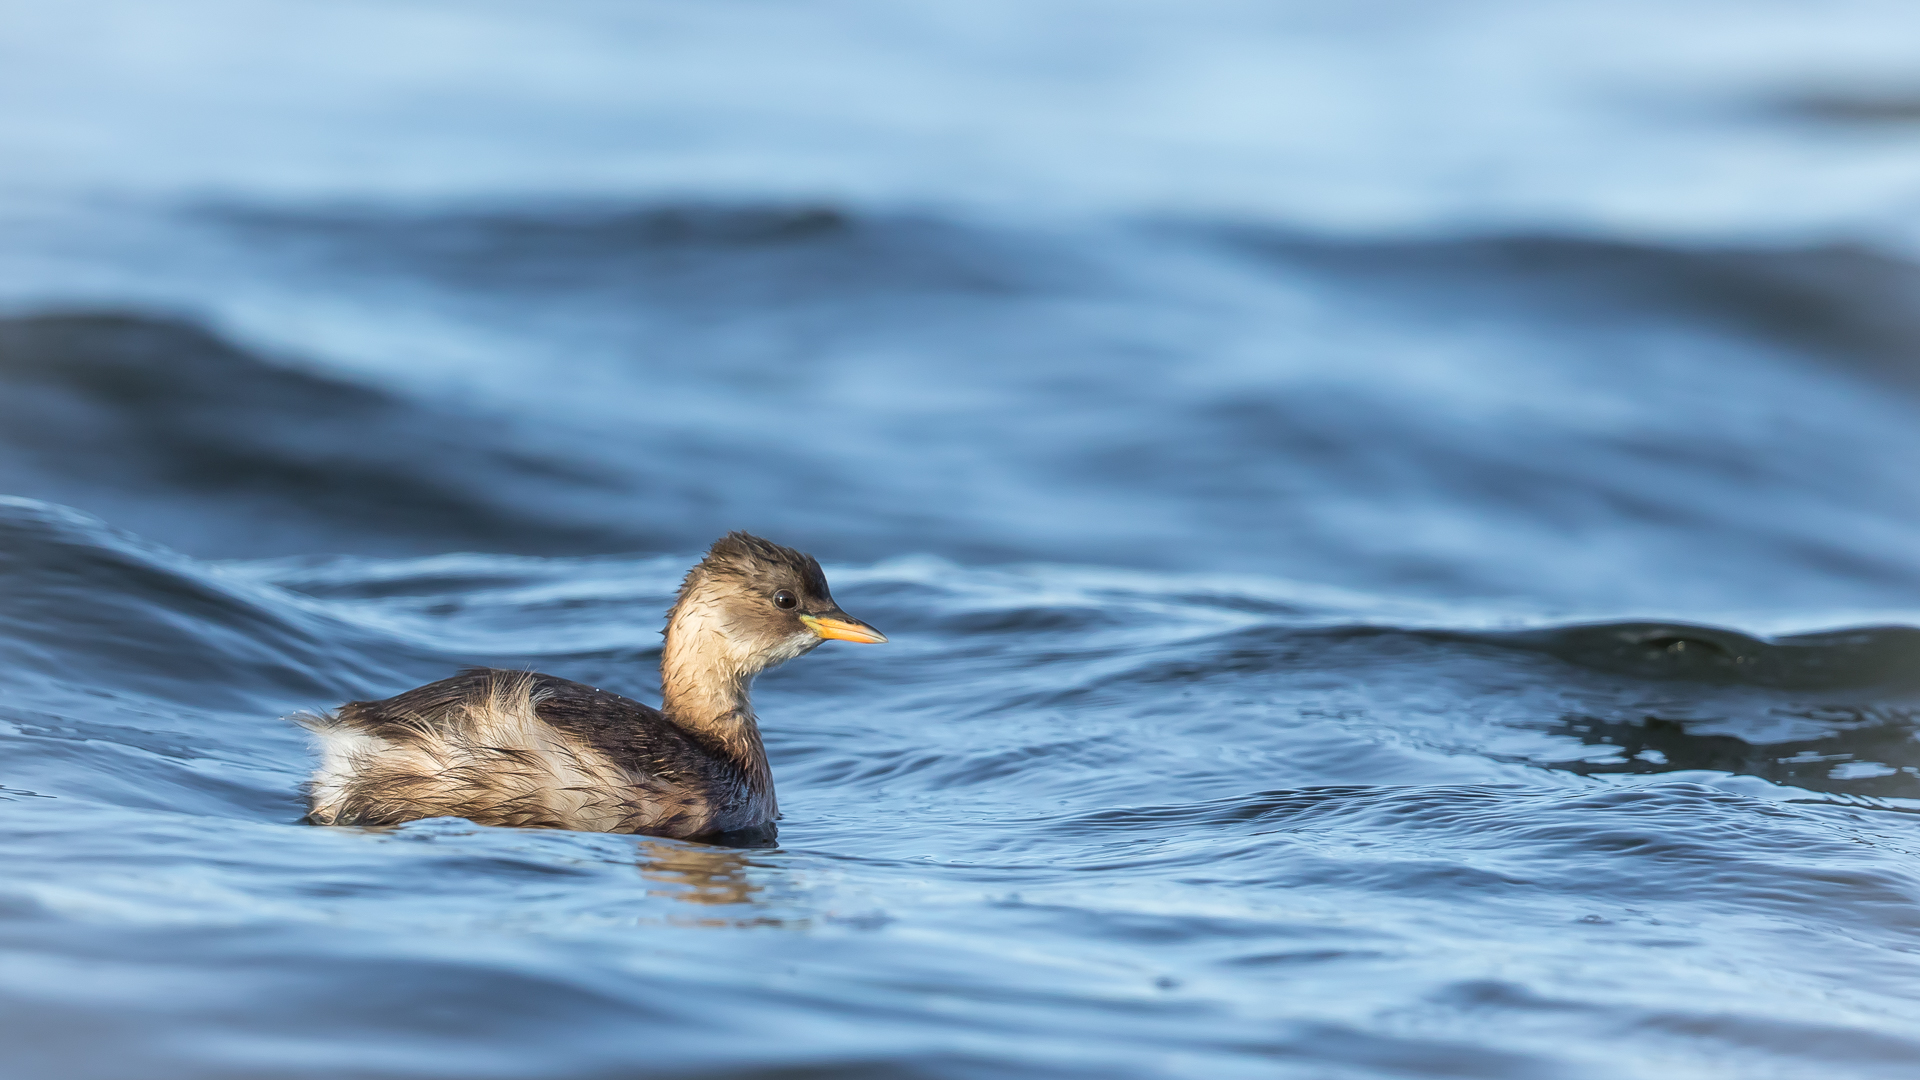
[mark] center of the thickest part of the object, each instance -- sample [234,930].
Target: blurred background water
[1397,523]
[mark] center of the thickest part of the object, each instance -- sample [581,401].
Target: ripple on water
[1145,810]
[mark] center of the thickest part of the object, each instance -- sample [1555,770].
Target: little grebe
[521,748]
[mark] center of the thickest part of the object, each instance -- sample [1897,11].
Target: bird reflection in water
[713,877]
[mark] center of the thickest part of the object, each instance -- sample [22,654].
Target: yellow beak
[843,627]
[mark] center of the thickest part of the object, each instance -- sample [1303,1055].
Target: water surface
[1397,536]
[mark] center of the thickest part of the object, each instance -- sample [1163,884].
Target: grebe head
[751,604]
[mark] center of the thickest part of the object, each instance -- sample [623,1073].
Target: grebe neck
[706,690]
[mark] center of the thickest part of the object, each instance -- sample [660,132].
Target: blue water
[1396,528]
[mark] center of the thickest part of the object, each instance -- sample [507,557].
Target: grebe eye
[784,600]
